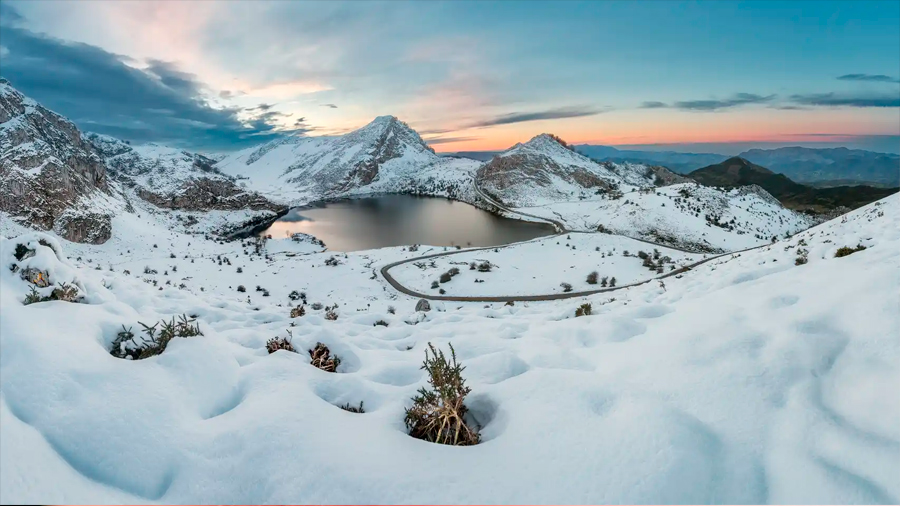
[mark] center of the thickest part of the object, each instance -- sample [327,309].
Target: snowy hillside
[770,376]
[684,215]
[383,156]
[173,178]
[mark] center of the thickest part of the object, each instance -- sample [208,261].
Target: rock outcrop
[49,174]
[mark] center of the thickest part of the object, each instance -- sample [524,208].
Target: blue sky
[467,75]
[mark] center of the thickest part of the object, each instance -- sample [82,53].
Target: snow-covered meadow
[749,379]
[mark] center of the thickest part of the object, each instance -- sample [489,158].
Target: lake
[397,220]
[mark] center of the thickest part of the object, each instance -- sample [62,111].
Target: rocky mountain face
[545,169]
[385,155]
[50,177]
[174,179]
[53,177]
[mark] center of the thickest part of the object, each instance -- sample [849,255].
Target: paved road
[385,271]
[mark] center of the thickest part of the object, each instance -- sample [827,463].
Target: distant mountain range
[822,167]
[737,171]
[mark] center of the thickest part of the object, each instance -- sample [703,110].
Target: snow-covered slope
[749,379]
[685,215]
[173,178]
[383,156]
[49,176]
[545,170]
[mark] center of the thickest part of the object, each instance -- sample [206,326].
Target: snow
[747,379]
[522,269]
[665,212]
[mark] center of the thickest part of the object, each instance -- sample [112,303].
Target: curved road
[385,271]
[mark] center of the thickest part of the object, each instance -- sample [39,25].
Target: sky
[710,76]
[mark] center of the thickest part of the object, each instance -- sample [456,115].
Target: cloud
[332,106]
[878,78]
[653,105]
[834,100]
[521,117]
[448,140]
[738,99]
[9,16]
[98,90]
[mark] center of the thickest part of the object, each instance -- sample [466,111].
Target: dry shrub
[438,414]
[280,343]
[592,278]
[322,358]
[583,310]
[298,311]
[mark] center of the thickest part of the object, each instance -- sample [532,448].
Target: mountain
[53,177]
[737,171]
[481,156]
[50,176]
[384,156]
[174,179]
[807,165]
[546,169]
[679,162]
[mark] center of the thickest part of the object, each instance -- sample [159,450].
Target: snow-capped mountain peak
[384,155]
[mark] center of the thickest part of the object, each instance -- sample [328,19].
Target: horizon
[217,77]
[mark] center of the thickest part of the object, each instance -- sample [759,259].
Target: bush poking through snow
[583,310]
[125,346]
[65,292]
[445,277]
[380,322]
[33,297]
[316,306]
[802,257]
[322,358]
[241,288]
[298,311]
[592,278]
[612,281]
[353,409]
[391,310]
[566,287]
[333,261]
[844,250]
[295,295]
[280,343]
[484,266]
[330,313]
[438,414]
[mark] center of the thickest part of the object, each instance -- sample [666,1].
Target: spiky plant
[438,414]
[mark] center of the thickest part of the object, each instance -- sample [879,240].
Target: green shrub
[844,250]
[353,409]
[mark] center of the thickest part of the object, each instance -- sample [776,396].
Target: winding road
[561,229]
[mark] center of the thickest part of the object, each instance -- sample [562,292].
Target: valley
[628,335]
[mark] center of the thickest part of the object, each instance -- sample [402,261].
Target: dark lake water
[396,220]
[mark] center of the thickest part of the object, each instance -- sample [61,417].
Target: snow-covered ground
[666,212]
[539,267]
[748,379]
